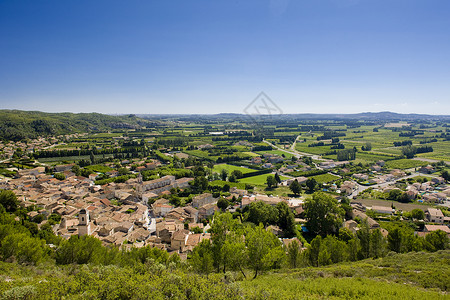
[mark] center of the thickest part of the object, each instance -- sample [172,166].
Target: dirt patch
[398,205]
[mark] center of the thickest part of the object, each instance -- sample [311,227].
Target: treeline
[327,135]
[348,154]
[307,173]
[83,152]
[20,125]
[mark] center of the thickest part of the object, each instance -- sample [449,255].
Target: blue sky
[309,56]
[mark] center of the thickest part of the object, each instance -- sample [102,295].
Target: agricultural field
[230,168]
[276,152]
[325,178]
[258,180]
[404,164]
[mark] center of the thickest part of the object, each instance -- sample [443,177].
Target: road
[362,188]
[295,152]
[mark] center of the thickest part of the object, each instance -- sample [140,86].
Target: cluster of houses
[8,148]
[432,215]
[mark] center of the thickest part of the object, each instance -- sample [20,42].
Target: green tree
[417,214]
[277,178]
[260,212]
[221,225]
[24,248]
[377,244]
[293,253]
[323,214]
[271,182]
[295,187]
[264,249]
[222,203]
[286,219]
[311,184]
[395,240]
[9,200]
[446,175]
[237,174]
[436,240]
[80,250]
[59,176]
[202,257]
[235,254]
[224,174]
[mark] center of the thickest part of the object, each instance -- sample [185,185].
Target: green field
[405,164]
[258,180]
[231,168]
[325,178]
[277,152]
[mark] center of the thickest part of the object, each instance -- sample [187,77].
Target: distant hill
[18,125]
[371,116]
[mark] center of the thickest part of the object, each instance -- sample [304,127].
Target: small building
[434,215]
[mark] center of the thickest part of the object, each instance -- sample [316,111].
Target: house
[201,200]
[434,215]
[430,228]
[161,209]
[351,225]
[438,180]
[256,160]
[426,170]
[178,240]
[398,173]
[376,168]
[207,210]
[348,187]
[361,176]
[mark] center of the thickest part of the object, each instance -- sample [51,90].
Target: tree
[235,253]
[295,187]
[264,249]
[26,249]
[259,212]
[226,187]
[224,174]
[286,219]
[323,214]
[222,203]
[237,174]
[293,253]
[232,178]
[409,151]
[277,178]
[445,175]
[417,214]
[59,176]
[271,182]
[395,240]
[202,257]
[9,200]
[311,184]
[92,157]
[367,147]
[221,225]
[436,240]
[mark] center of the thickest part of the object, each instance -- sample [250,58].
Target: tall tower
[84,226]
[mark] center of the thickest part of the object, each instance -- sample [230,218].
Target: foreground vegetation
[402,276]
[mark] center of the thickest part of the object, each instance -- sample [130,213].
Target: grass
[99,168]
[399,276]
[231,168]
[405,163]
[325,178]
[258,180]
[277,152]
